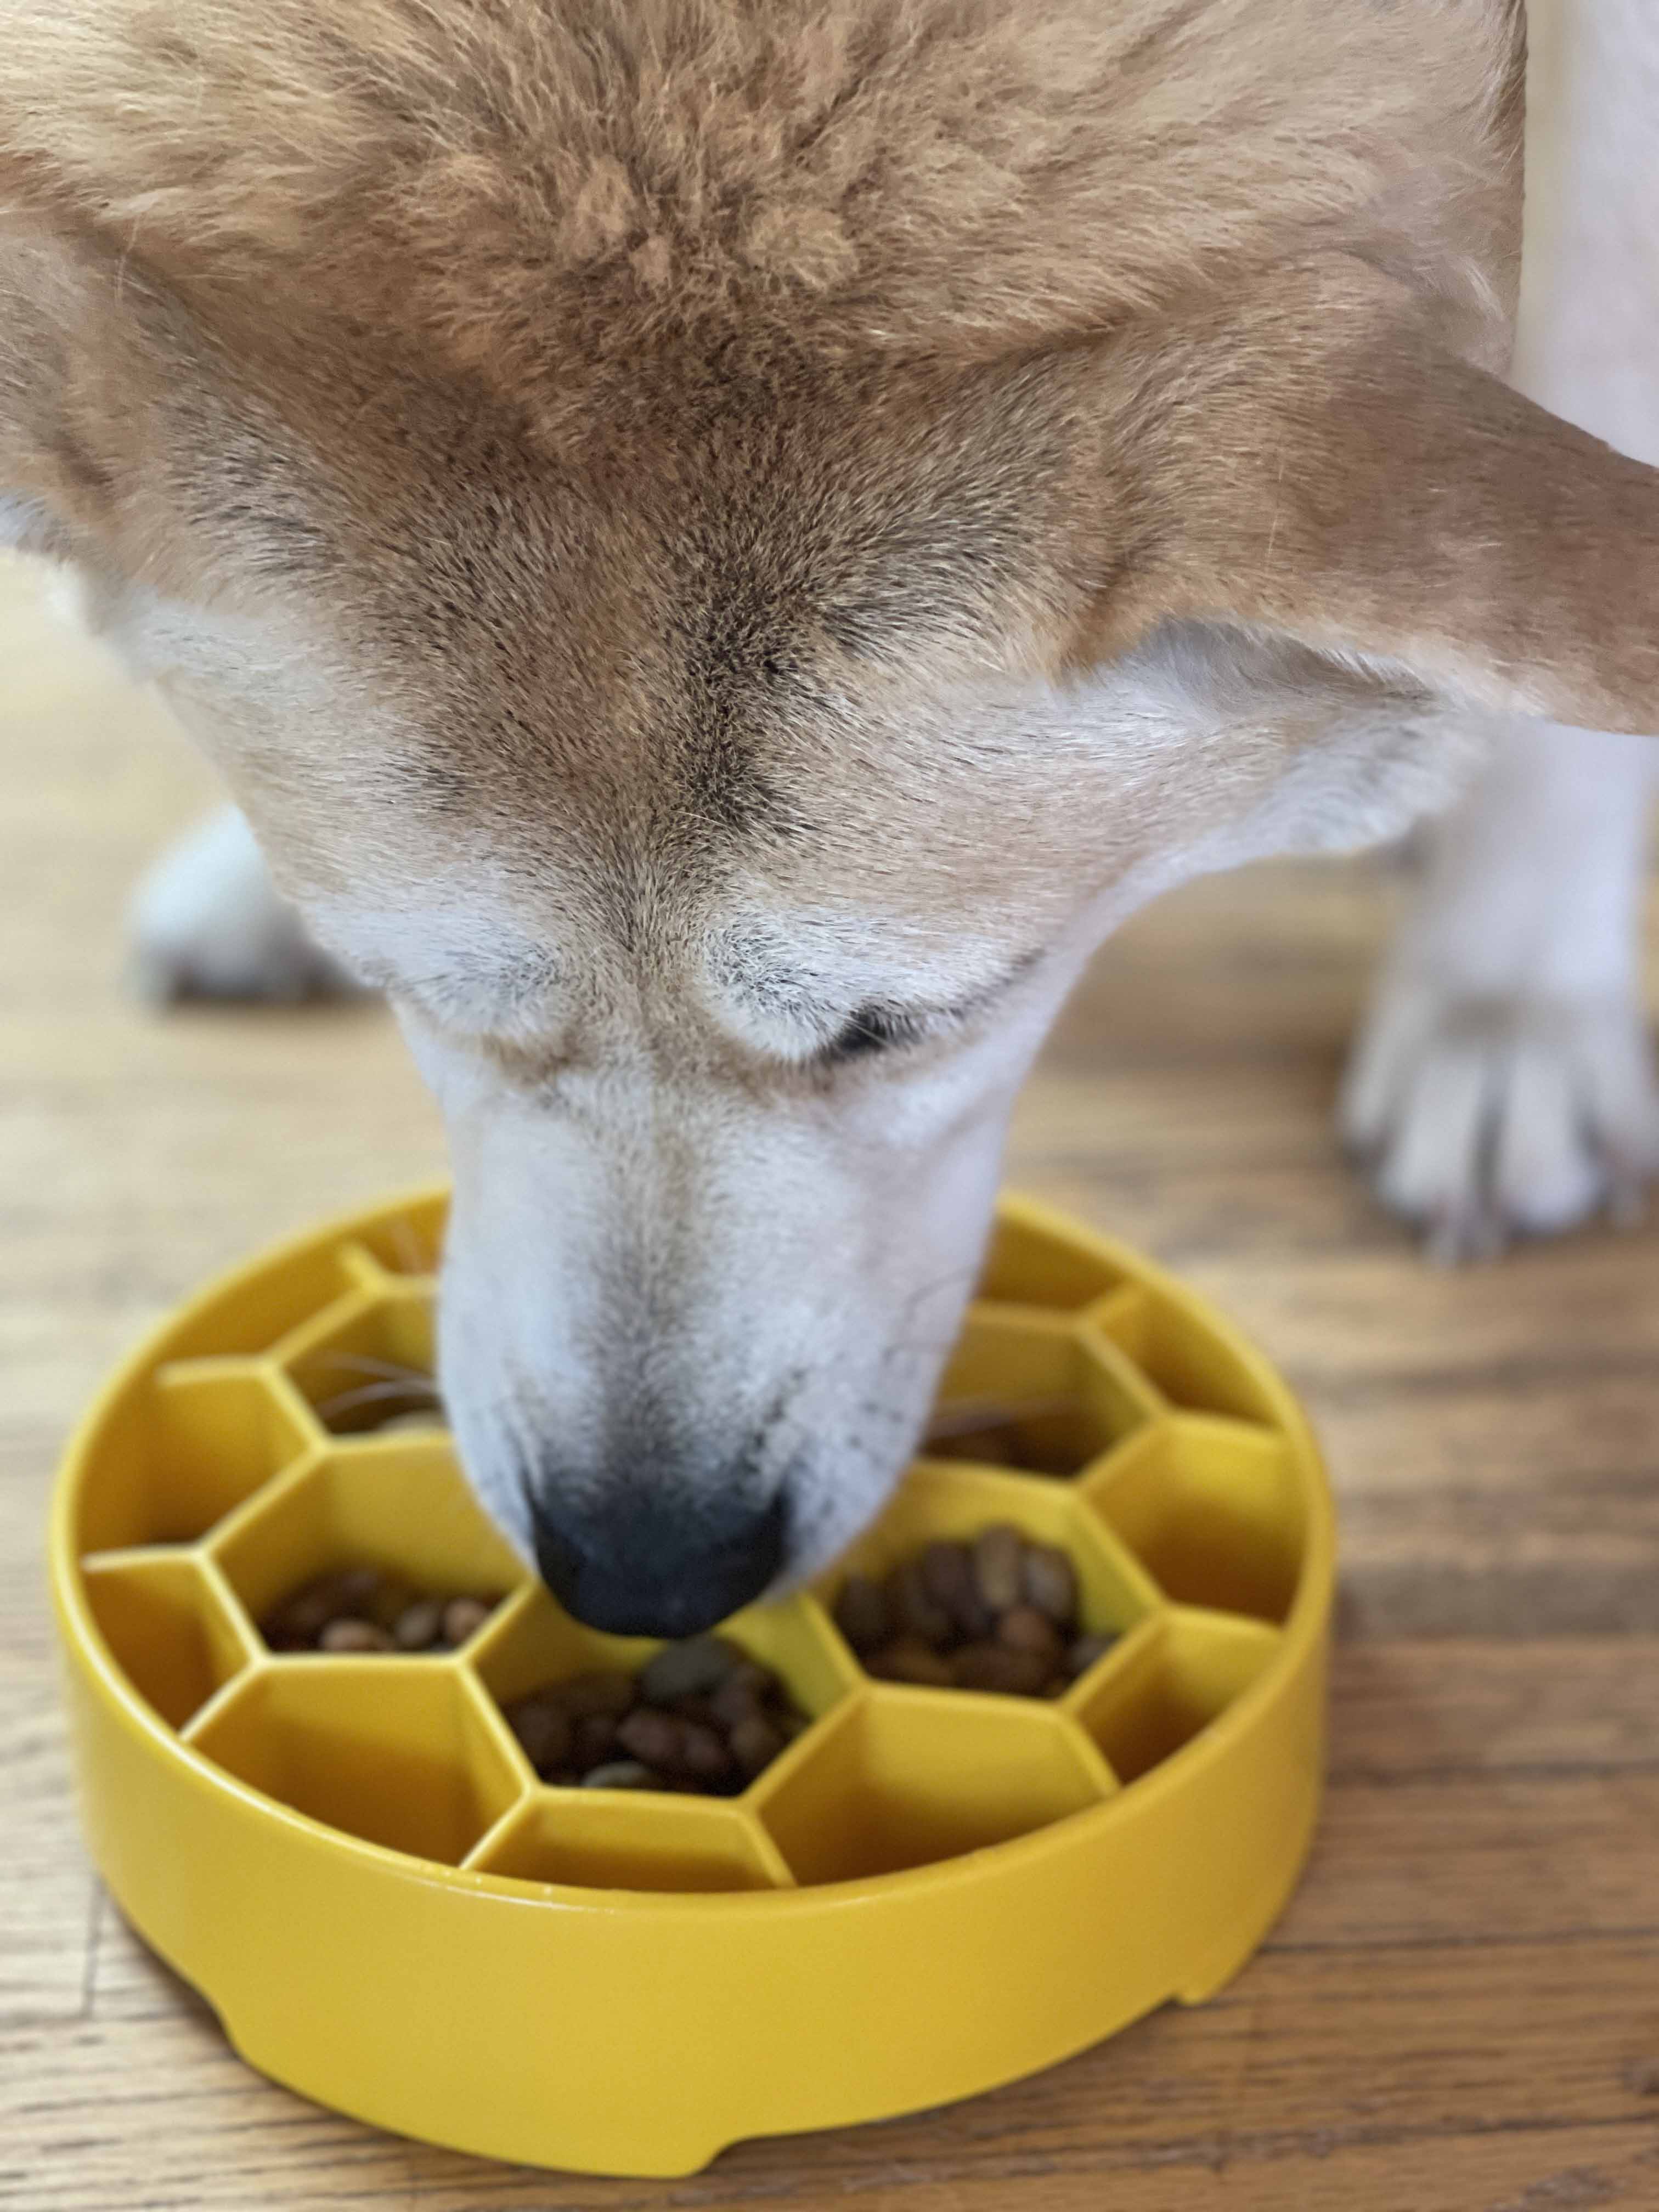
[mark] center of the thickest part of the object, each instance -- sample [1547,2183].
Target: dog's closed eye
[874,1029]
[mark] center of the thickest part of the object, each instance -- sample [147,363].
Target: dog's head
[718,605]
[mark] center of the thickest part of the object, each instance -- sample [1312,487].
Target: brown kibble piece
[912,1611]
[622,1774]
[594,1739]
[860,1613]
[418,1626]
[606,1690]
[303,1616]
[999,1566]
[464,1617]
[998,1666]
[944,1565]
[543,1730]
[701,1710]
[755,1744]
[358,1588]
[389,1601]
[351,1635]
[1023,1628]
[746,1685]
[703,1753]
[301,1622]
[947,1571]
[655,1737]
[740,1698]
[1050,1582]
[907,1659]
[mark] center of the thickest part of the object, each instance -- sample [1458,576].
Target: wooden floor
[1461,2011]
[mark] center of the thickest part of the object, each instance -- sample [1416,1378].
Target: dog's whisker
[962,1416]
[370,1394]
[359,1363]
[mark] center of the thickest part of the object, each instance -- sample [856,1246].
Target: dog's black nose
[657,1566]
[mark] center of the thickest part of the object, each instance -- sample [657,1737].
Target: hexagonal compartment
[1027,1390]
[1027,1266]
[604,1839]
[186,1445]
[172,1626]
[1211,1510]
[392,1750]
[1176,1675]
[1195,1369]
[905,1777]
[939,1501]
[534,1643]
[368,1359]
[404,1507]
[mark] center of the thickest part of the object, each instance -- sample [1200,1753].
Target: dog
[722,545]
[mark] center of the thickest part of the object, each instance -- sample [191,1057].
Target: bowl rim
[1303,1627]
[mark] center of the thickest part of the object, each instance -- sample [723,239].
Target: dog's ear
[1321,469]
[70,366]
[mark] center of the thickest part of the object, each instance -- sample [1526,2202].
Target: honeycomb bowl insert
[929,1891]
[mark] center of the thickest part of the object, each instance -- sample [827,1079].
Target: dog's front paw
[208,922]
[1483,1117]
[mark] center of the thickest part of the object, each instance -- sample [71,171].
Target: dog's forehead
[741,824]
[730,635]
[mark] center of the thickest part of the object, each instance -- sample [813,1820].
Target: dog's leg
[1505,1081]
[207,922]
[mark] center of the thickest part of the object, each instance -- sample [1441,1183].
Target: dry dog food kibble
[701,1718]
[1000,1613]
[366,1609]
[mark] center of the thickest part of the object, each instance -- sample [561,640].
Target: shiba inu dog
[721,545]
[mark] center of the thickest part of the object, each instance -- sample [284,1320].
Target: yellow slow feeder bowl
[930,1893]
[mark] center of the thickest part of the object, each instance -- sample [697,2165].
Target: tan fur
[617,223]
[694,527]
[527,187]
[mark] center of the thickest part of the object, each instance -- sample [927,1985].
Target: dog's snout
[667,1565]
